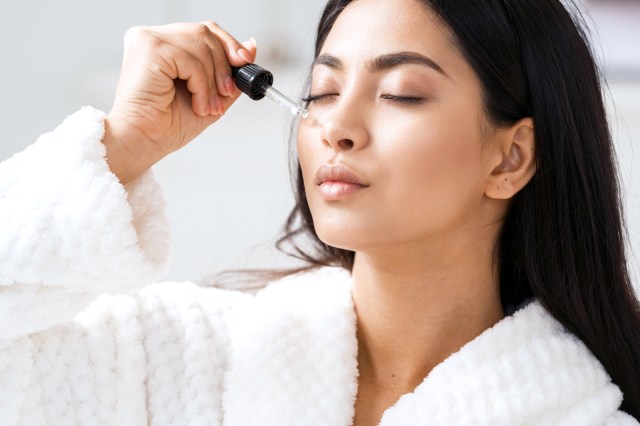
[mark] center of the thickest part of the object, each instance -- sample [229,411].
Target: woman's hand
[175,81]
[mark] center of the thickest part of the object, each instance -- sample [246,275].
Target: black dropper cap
[253,80]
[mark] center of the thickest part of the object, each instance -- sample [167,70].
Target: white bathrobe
[85,338]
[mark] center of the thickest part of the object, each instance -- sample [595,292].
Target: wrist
[127,156]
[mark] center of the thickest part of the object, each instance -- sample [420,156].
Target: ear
[514,160]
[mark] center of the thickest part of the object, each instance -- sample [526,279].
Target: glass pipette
[256,82]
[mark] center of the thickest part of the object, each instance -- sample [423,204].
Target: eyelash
[314,98]
[410,100]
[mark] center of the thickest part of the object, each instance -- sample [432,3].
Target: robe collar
[293,361]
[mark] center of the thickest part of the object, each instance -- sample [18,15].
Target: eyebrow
[383,62]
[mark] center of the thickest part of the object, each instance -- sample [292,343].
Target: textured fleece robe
[85,338]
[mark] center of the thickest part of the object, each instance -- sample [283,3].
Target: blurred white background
[228,192]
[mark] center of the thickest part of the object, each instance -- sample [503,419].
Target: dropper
[256,82]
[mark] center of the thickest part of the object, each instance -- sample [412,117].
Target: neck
[416,306]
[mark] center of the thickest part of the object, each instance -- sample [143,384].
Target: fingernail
[230,86]
[244,55]
[213,104]
[251,41]
[219,106]
[223,90]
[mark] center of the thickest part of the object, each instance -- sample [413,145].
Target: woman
[456,167]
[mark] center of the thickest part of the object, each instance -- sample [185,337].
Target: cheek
[310,159]
[306,151]
[447,157]
[434,171]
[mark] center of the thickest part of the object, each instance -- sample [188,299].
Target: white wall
[229,190]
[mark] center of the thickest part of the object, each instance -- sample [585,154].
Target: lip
[337,181]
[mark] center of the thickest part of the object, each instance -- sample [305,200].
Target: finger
[234,93]
[236,53]
[200,42]
[223,49]
[223,80]
[226,80]
[251,47]
[184,66]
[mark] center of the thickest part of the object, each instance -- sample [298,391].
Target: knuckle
[138,31]
[156,68]
[138,35]
[204,47]
[132,34]
[227,37]
[154,43]
[202,31]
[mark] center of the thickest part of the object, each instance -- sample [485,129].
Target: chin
[348,228]
[345,237]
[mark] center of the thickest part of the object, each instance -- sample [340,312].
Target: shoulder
[532,351]
[529,364]
[575,367]
[620,418]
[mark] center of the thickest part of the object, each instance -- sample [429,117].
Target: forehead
[367,28]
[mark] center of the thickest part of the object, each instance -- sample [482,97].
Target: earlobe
[516,160]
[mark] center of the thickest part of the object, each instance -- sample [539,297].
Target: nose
[344,127]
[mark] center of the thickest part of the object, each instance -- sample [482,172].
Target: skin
[439,176]
[175,81]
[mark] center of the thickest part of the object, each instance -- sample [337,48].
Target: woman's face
[392,150]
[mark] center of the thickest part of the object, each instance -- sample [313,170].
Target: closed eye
[412,100]
[314,98]
[403,99]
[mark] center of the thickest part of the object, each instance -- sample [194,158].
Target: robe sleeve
[69,232]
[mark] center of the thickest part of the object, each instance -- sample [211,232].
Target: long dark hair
[562,241]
